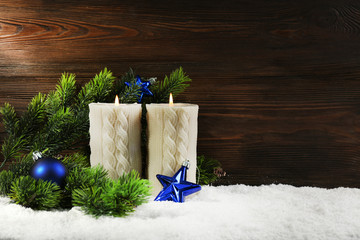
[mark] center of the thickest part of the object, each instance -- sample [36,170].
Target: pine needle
[176,83]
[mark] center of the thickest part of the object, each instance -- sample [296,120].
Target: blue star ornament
[176,187]
[144,90]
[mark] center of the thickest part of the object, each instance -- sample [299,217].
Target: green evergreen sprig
[86,178]
[115,198]
[64,95]
[33,119]
[76,160]
[36,194]
[81,177]
[10,119]
[97,90]
[21,166]
[12,148]
[21,130]
[127,94]
[176,83]
[6,179]
[208,170]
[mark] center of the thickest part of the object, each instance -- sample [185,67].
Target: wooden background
[278,82]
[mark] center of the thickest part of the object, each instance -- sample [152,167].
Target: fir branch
[131,188]
[12,148]
[36,194]
[6,179]
[30,122]
[114,198]
[64,96]
[130,94]
[9,119]
[90,200]
[97,90]
[102,83]
[53,103]
[22,131]
[76,160]
[22,166]
[17,169]
[86,177]
[176,83]
[127,94]
[66,89]
[129,76]
[80,126]
[59,121]
[79,175]
[35,116]
[57,134]
[206,170]
[83,179]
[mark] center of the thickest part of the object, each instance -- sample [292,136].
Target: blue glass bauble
[49,169]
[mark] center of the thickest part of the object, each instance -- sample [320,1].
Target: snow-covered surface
[228,212]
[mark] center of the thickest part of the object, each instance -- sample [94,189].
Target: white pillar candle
[172,139]
[115,137]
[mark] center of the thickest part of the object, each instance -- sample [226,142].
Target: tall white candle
[172,131]
[115,137]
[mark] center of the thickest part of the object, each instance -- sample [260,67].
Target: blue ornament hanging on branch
[48,169]
[176,187]
[144,87]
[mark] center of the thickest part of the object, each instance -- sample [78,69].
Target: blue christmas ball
[49,169]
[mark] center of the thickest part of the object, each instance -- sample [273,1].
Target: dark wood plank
[277,81]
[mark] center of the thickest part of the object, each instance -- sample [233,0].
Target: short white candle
[172,139]
[115,137]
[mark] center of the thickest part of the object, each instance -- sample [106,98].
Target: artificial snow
[226,212]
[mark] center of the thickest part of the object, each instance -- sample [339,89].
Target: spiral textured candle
[122,142]
[108,136]
[115,138]
[169,152]
[172,138]
[182,139]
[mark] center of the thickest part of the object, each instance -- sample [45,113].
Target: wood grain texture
[278,82]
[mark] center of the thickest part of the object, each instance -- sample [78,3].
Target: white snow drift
[228,212]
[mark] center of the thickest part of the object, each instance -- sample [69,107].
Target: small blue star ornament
[144,90]
[176,187]
[48,169]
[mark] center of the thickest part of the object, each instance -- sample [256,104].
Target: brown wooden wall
[278,82]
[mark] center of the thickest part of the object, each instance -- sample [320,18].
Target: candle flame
[171,101]
[117,100]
